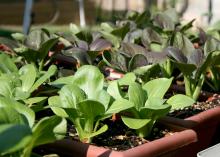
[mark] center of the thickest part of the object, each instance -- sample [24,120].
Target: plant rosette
[193,63]
[22,84]
[19,133]
[148,102]
[85,102]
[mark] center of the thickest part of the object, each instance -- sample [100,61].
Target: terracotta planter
[206,124]
[176,145]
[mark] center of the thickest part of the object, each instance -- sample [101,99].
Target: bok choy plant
[18,132]
[193,63]
[148,103]
[143,46]
[20,84]
[84,47]
[7,65]
[84,100]
[135,58]
[213,44]
[34,47]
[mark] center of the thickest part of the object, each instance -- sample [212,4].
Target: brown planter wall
[206,124]
[177,145]
[202,128]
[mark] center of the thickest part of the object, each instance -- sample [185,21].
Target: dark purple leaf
[133,35]
[79,54]
[119,61]
[197,58]
[164,22]
[96,35]
[176,54]
[130,49]
[149,36]
[65,59]
[202,36]
[83,45]
[115,60]
[184,44]
[155,57]
[8,42]
[100,45]
[211,45]
[136,61]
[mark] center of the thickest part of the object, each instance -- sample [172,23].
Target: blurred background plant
[56,14]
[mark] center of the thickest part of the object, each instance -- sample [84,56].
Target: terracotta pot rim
[203,119]
[154,148]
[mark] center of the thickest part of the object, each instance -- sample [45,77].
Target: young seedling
[149,104]
[18,132]
[85,102]
[193,63]
[19,84]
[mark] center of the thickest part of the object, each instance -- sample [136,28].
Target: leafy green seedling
[20,84]
[85,102]
[193,63]
[7,65]
[34,47]
[211,45]
[149,104]
[18,133]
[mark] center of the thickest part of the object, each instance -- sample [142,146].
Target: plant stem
[214,78]
[96,125]
[41,65]
[192,87]
[89,128]
[78,127]
[198,88]
[146,130]
[188,89]
[167,68]
[27,151]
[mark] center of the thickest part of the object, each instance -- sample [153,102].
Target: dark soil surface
[198,107]
[119,137]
